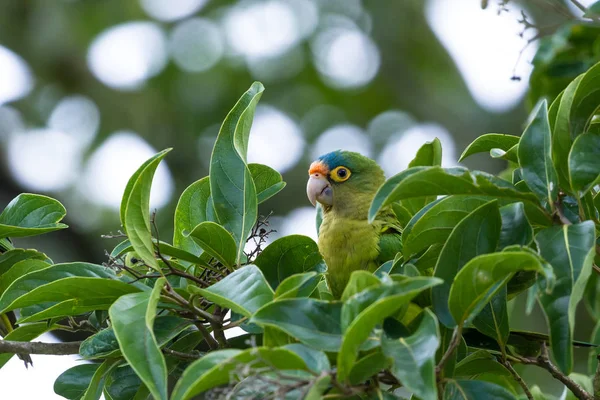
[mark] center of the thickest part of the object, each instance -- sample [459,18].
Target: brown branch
[57,349]
[212,343]
[517,378]
[544,362]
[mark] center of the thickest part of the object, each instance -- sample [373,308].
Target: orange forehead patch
[318,167]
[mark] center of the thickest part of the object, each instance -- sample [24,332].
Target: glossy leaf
[414,357]
[584,163]
[191,211]
[362,280]
[244,291]
[73,383]
[493,319]
[482,277]
[216,241]
[20,269]
[429,181]
[315,360]
[298,285]
[489,141]
[132,318]
[122,383]
[165,249]
[60,282]
[363,311]
[104,343]
[215,368]
[267,181]
[516,229]
[436,224]
[476,234]
[570,250]
[289,255]
[585,101]
[313,322]
[368,366]
[430,154]
[477,363]
[535,156]
[30,215]
[231,185]
[511,154]
[562,136]
[135,209]
[96,386]
[472,390]
[11,257]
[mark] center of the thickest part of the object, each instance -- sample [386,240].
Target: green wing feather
[390,239]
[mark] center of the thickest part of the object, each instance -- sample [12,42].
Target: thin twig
[517,378]
[181,355]
[454,342]
[212,343]
[57,349]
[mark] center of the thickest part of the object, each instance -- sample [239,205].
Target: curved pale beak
[319,189]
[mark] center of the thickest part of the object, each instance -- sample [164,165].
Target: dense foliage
[433,322]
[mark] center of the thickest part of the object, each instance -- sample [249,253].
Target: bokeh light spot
[125,56]
[275,139]
[44,159]
[77,116]
[344,137]
[346,58]
[109,168]
[403,147]
[16,80]
[196,44]
[171,10]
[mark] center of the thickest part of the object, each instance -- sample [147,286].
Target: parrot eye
[340,174]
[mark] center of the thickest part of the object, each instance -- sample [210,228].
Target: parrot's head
[343,181]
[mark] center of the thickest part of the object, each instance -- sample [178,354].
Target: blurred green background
[89,89]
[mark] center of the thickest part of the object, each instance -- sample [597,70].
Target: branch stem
[454,342]
[517,378]
[56,349]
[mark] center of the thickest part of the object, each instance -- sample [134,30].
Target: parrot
[344,183]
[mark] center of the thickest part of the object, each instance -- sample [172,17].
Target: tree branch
[543,361]
[57,349]
[454,342]
[517,378]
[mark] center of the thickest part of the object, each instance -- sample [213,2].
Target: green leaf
[535,156]
[585,102]
[489,141]
[132,318]
[315,360]
[73,383]
[477,363]
[289,255]
[430,154]
[515,226]
[593,10]
[191,211]
[267,181]
[60,282]
[231,185]
[562,135]
[30,215]
[318,388]
[434,181]
[594,351]
[476,234]
[215,368]
[493,319]
[472,390]
[24,333]
[584,163]
[436,224]
[104,343]
[482,277]
[414,357]
[135,209]
[11,257]
[363,311]
[511,154]
[570,250]
[244,291]
[94,390]
[165,249]
[359,281]
[20,269]
[313,322]
[122,383]
[368,366]
[216,241]
[299,285]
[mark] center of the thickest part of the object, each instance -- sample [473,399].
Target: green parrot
[344,183]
